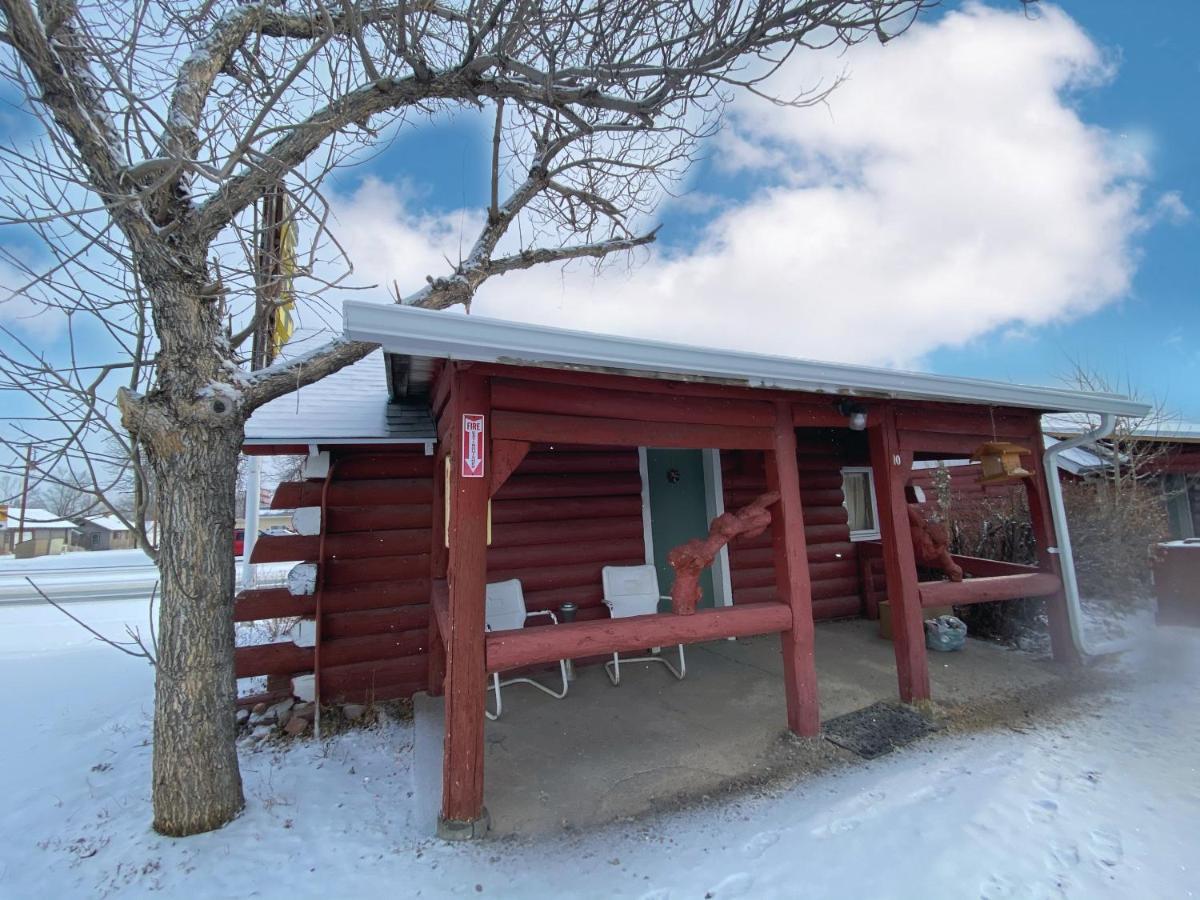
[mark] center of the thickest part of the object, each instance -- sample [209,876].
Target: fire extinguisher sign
[472,445]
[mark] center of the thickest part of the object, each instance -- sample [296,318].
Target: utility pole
[270,286]
[24,497]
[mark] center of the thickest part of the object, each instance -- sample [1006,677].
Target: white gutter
[1108,422]
[431,334]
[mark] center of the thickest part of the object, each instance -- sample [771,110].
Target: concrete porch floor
[605,753]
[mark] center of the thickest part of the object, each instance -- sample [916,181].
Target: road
[76,583]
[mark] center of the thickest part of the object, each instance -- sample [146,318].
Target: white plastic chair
[505,611]
[633,591]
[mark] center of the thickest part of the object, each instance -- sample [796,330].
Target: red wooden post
[1038,494]
[892,466]
[792,578]
[463,815]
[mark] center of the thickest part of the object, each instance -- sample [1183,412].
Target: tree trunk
[197,786]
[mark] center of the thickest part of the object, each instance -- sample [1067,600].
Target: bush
[1114,527]
[1001,529]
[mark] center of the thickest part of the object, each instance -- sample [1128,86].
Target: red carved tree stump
[691,559]
[931,544]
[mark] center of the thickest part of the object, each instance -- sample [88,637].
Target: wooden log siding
[563,515]
[832,558]
[969,498]
[376,597]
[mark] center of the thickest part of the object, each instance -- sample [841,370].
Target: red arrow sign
[472,445]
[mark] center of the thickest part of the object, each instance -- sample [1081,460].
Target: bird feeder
[1001,461]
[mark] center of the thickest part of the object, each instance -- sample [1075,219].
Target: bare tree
[10,489]
[164,125]
[1136,447]
[1119,512]
[66,496]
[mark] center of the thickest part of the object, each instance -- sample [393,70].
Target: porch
[605,753]
[547,453]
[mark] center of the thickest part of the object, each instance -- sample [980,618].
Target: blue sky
[985,196]
[1152,337]
[1136,96]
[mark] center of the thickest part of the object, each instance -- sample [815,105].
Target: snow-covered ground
[100,575]
[1104,803]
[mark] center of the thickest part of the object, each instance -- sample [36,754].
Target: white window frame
[866,534]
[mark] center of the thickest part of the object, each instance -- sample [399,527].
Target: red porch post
[792,579]
[1043,533]
[463,815]
[892,466]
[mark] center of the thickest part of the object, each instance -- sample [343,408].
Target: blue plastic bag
[945,633]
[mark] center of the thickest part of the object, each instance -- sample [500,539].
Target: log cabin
[469,450]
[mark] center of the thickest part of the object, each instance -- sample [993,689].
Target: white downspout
[250,532]
[1108,422]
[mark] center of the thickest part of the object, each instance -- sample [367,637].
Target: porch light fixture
[855,413]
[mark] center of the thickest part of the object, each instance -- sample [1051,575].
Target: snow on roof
[1077,460]
[350,406]
[427,334]
[1169,430]
[108,523]
[36,517]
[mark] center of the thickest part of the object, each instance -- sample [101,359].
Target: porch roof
[423,335]
[352,406]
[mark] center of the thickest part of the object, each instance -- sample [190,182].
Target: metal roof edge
[421,332]
[365,439]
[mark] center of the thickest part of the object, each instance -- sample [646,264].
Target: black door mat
[877,729]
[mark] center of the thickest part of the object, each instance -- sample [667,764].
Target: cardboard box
[885,616]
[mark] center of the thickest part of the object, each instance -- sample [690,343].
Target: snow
[36,518]
[109,523]
[1101,803]
[83,559]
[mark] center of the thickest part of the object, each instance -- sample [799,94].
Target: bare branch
[142,652]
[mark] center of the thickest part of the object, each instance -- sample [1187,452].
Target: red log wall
[832,558]
[967,495]
[376,586]
[563,514]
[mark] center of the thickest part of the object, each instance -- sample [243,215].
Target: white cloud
[1170,208]
[947,190]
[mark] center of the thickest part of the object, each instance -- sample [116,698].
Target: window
[1179,507]
[858,488]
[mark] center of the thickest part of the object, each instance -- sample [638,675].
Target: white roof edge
[366,439]
[422,332]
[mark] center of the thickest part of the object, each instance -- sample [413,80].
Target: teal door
[678,511]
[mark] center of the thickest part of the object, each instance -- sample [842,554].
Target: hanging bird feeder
[1001,461]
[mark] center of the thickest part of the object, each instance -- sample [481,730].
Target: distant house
[105,533]
[1174,468]
[44,532]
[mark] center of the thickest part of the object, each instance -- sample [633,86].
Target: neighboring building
[45,532]
[472,450]
[269,520]
[1173,467]
[105,533]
